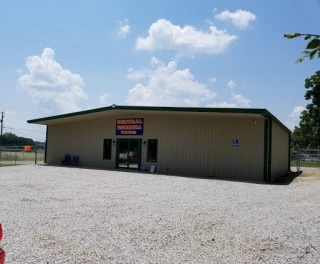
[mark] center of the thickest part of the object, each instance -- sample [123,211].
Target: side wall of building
[279,151]
[187,144]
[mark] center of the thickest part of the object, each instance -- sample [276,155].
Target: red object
[2,256]
[2,253]
[131,158]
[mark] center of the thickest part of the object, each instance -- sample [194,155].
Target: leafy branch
[312,48]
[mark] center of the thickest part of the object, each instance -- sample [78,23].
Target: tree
[11,139]
[304,133]
[308,131]
[313,47]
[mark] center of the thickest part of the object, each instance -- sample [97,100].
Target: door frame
[118,151]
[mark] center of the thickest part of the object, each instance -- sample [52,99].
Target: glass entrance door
[129,153]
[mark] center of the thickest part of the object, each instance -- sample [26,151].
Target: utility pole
[2,116]
[1,121]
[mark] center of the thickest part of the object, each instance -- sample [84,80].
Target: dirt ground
[305,174]
[308,175]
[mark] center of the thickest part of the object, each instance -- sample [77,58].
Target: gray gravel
[73,215]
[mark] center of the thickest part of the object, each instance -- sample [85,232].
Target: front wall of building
[187,144]
[279,151]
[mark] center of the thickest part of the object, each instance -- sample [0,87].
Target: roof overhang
[120,111]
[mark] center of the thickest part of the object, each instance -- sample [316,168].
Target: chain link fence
[17,155]
[305,157]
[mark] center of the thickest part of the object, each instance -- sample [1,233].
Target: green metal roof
[263,112]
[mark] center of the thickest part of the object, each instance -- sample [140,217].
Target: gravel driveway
[73,215]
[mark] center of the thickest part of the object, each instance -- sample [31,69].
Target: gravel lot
[73,215]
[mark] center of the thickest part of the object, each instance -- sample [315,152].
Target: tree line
[10,139]
[308,131]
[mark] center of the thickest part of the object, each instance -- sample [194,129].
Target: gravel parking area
[73,215]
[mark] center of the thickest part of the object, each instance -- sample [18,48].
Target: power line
[26,129]
[2,117]
[17,130]
[21,132]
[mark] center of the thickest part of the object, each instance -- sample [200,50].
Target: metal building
[227,143]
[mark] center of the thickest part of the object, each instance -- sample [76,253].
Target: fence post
[298,157]
[15,154]
[318,157]
[36,152]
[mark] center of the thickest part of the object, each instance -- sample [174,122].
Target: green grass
[8,165]
[312,164]
[21,156]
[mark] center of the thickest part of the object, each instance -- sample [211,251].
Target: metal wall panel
[186,144]
[279,151]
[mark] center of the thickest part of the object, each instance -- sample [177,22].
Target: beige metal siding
[279,151]
[84,139]
[186,144]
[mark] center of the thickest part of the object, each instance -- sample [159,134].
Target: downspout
[46,147]
[289,154]
[270,149]
[266,146]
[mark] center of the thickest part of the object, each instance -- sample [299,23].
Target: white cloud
[239,18]
[168,86]
[124,28]
[213,80]
[231,85]
[294,117]
[241,100]
[296,113]
[19,71]
[209,21]
[237,99]
[140,95]
[47,81]
[185,40]
[136,75]
[66,100]
[155,62]
[223,105]
[44,71]
[103,99]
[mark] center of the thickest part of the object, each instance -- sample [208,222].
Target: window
[152,150]
[107,148]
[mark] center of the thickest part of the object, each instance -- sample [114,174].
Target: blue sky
[65,56]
